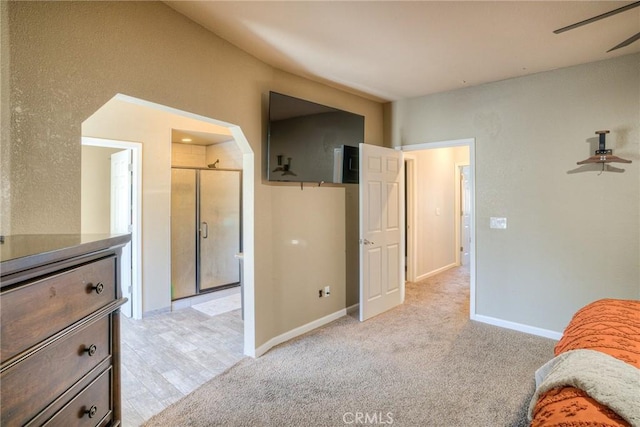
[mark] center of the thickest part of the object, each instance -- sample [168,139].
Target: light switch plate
[499,223]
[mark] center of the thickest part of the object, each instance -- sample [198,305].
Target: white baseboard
[298,331]
[434,272]
[355,308]
[517,327]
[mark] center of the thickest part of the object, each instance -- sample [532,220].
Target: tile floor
[166,356]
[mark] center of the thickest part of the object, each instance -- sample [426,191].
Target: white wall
[573,235]
[96,189]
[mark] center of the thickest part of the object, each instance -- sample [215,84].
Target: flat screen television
[309,142]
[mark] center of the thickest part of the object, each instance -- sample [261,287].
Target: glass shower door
[219,228]
[183,233]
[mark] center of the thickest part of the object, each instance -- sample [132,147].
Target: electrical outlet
[319,293]
[327,291]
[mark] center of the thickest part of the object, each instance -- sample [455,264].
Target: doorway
[205,230]
[111,203]
[410,198]
[433,203]
[127,118]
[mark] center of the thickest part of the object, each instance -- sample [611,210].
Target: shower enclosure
[205,230]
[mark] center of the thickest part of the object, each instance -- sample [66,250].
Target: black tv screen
[305,140]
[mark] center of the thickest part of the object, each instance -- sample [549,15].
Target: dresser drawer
[39,309]
[29,386]
[89,408]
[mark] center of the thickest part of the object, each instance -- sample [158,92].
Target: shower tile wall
[227,152]
[198,156]
[187,155]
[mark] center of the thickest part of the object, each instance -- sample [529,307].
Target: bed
[606,329]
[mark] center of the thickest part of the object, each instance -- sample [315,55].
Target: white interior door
[381,225]
[121,217]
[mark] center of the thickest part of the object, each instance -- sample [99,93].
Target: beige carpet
[421,364]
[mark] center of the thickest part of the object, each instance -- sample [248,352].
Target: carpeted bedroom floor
[421,364]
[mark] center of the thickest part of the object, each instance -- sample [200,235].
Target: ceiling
[390,50]
[181,136]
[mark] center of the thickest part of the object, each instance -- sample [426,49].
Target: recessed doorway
[111,202]
[433,214]
[126,118]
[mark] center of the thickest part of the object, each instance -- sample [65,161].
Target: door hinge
[461,249]
[130,228]
[130,167]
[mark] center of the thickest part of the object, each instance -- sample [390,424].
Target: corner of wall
[5,118]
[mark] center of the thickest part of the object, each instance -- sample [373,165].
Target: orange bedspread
[610,326]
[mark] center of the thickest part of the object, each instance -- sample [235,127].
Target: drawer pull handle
[91,350]
[98,288]
[91,411]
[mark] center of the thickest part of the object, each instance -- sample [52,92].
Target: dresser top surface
[25,251]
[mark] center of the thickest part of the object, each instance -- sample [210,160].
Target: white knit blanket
[607,380]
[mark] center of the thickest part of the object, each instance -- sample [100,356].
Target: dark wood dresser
[59,322]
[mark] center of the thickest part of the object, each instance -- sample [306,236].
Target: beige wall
[308,230]
[95,196]
[435,221]
[70,58]
[5,118]
[571,237]
[352,245]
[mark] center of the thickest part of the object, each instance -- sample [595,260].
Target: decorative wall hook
[602,154]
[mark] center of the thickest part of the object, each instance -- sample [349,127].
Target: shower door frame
[198,232]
